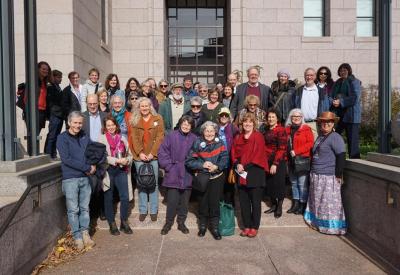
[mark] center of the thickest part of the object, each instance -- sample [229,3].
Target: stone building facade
[130,37]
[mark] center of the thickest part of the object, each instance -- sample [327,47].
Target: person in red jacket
[300,143]
[276,150]
[248,158]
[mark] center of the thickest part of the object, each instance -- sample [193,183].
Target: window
[104,21]
[366,18]
[196,40]
[315,18]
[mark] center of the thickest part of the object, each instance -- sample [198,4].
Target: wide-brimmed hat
[328,116]
[224,110]
[176,85]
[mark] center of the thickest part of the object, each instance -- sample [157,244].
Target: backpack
[146,180]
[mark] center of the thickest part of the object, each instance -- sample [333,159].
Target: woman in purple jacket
[177,180]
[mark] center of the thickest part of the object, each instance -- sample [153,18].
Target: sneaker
[79,244]
[153,217]
[142,217]
[245,232]
[252,233]
[87,241]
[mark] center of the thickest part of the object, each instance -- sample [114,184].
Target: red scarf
[116,145]
[251,150]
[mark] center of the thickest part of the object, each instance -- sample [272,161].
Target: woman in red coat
[248,158]
[301,141]
[276,150]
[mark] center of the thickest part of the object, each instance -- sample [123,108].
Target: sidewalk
[283,246]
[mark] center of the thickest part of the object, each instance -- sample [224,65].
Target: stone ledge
[391,160]
[23,164]
[382,171]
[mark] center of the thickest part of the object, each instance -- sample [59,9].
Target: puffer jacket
[171,157]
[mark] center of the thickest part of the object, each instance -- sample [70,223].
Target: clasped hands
[210,166]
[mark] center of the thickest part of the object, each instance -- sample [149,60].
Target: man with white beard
[174,107]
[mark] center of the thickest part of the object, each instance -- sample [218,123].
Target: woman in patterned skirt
[324,210]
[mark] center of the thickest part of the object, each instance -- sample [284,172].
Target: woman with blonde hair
[147,135]
[252,105]
[103,100]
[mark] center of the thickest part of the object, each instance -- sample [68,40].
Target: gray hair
[196,99]
[136,115]
[257,68]
[94,96]
[209,124]
[114,97]
[74,114]
[289,118]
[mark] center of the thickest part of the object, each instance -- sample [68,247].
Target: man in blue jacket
[71,146]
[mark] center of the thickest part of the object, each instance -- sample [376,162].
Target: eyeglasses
[133,98]
[92,104]
[196,106]
[297,116]
[163,86]
[205,91]
[323,73]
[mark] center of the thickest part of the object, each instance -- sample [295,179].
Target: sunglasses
[196,106]
[224,115]
[133,98]
[323,73]
[163,86]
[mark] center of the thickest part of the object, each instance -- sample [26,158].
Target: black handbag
[146,180]
[200,181]
[302,164]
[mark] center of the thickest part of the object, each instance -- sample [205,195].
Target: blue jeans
[119,179]
[153,196]
[77,196]
[299,186]
[55,126]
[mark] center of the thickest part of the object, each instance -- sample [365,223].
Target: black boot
[278,212]
[182,227]
[125,227]
[202,230]
[294,207]
[300,210]
[215,233]
[273,207]
[114,229]
[166,228]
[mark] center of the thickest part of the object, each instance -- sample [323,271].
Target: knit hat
[283,71]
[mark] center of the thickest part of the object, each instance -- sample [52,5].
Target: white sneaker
[87,240]
[79,244]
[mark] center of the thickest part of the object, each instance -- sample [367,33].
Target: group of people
[198,136]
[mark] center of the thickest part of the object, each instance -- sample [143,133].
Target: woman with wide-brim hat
[324,210]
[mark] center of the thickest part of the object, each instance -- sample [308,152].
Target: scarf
[116,146]
[119,116]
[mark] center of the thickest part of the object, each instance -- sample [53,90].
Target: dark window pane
[208,56]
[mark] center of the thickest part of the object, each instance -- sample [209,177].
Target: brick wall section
[138,39]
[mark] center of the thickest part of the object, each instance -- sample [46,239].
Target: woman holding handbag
[119,160]
[208,158]
[300,143]
[249,157]
[275,147]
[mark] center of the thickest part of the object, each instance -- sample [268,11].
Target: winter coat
[321,97]
[171,157]
[283,103]
[350,101]
[303,140]
[165,111]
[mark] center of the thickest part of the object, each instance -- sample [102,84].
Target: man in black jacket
[55,112]
[71,100]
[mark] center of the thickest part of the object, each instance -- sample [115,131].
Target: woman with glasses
[252,105]
[203,93]
[132,85]
[212,108]
[162,91]
[300,143]
[325,82]
[195,112]
[324,210]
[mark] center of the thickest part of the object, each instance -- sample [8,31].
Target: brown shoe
[142,217]
[153,217]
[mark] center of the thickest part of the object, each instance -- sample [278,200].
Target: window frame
[324,18]
[374,17]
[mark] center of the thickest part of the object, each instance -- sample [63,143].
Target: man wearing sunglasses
[174,107]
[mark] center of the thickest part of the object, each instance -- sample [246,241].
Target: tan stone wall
[138,39]
[270,33]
